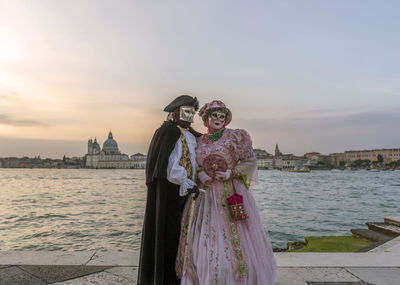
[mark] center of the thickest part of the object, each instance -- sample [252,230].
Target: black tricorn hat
[183,100]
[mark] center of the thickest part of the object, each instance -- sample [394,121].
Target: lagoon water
[82,209]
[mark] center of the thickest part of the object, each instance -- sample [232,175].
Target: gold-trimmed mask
[186,113]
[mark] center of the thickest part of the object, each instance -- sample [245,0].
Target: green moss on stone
[329,244]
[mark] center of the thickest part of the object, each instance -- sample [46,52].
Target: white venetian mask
[186,113]
[216,120]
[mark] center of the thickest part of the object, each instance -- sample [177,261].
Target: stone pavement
[380,266]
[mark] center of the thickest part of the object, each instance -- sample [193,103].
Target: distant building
[284,161]
[36,162]
[290,161]
[312,155]
[138,160]
[349,156]
[108,157]
[265,160]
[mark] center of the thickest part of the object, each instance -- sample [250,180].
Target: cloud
[12,102]
[328,122]
[6,120]
[8,96]
[327,133]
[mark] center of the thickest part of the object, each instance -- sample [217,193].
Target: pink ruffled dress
[221,250]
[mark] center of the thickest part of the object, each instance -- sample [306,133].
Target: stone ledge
[114,258]
[389,246]
[45,257]
[366,259]
[392,220]
[387,258]
[99,258]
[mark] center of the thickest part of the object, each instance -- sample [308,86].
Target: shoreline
[378,266]
[360,240]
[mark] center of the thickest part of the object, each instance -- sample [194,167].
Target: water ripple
[69,209]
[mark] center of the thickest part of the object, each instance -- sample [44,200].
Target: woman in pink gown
[218,245]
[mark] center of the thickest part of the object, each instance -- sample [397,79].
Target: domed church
[108,157]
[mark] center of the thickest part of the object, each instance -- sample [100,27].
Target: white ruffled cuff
[187,184]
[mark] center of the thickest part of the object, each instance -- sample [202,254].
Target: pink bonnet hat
[208,108]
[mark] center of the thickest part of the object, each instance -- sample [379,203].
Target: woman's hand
[223,175]
[204,178]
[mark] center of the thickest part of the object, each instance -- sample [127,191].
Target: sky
[309,75]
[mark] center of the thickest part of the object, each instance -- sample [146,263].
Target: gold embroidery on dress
[242,267]
[185,158]
[187,164]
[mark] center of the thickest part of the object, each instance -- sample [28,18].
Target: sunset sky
[310,75]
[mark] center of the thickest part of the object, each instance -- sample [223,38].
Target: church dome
[110,146]
[96,145]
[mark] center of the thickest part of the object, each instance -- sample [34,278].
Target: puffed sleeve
[246,168]
[176,173]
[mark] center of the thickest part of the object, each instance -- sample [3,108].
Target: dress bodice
[234,146]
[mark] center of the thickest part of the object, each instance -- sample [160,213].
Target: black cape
[164,206]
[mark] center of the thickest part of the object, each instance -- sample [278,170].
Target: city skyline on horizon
[313,76]
[132,151]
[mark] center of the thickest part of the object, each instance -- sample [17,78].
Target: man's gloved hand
[195,190]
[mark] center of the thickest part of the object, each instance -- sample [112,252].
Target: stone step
[370,235]
[392,220]
[384,228]
[372,247]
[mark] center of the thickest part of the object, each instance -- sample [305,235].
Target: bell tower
[277,151]
[90,146]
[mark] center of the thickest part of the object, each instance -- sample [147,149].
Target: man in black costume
[170,172]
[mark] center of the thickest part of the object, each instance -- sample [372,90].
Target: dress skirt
[220,250]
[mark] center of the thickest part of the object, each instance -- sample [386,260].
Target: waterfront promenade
[380,266]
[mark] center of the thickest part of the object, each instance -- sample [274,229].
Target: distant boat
[300,170]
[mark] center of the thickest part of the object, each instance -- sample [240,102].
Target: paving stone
[324,274]
[15,276]
[377,275]
[395,249]
[129,273]
[57,273]
[114,258]
[103,278]
[287,276]
[4,266]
